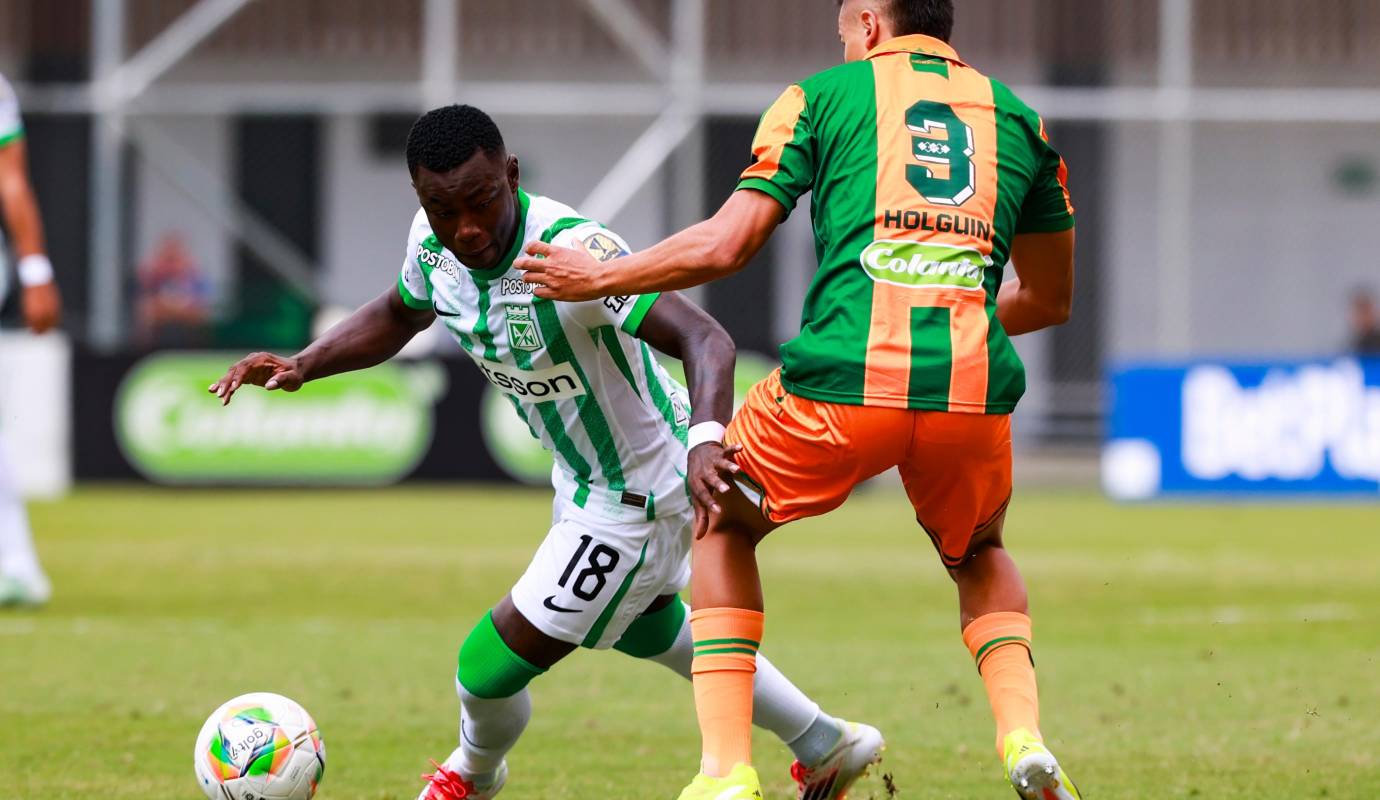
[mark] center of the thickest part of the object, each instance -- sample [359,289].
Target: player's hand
[561,273]
[710,470]
[260,369]
[42,307]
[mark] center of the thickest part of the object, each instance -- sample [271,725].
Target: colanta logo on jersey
[921,264]
[556,383]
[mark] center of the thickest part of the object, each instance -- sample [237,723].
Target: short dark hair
[929,17]
[444,138]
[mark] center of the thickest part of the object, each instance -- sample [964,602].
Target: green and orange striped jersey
[922,171]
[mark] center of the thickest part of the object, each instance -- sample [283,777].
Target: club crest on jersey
[682,413]
[603,247]
[523,332]
[918,265]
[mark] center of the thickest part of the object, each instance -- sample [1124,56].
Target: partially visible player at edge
[927,178]
[582,378]
[22,582]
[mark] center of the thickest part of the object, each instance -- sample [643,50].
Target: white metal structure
[675,96]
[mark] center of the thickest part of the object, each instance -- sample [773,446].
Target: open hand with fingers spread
[259,369]
[562,273]
[710,469]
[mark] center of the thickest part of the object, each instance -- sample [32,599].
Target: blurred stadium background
[219,176]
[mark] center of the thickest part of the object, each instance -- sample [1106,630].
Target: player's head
[863,24]
[466,182]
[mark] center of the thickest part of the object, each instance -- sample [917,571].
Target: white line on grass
[1243,615]
[16,627]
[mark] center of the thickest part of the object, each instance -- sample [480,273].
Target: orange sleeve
[783,151]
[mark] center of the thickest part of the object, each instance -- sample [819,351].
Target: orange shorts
[803,458]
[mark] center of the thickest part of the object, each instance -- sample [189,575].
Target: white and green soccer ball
[259,746]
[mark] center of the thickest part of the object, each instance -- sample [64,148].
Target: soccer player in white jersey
[636,468]
[22,582]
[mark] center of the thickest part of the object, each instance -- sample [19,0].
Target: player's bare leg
[727,623]
[830,753]
[993,607]
[994,614]
[730,550]
[726,591]
[988,579]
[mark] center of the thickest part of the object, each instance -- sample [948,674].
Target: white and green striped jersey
[11,125]
[590,390]
[11,129]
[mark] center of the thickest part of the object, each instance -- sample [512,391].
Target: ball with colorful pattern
[259,746]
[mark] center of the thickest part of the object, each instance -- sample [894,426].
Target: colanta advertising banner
[370,427]
[1286,428]
[433,420]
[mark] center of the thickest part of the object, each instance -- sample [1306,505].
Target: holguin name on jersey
[961,224]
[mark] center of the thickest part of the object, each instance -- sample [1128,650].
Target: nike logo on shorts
[551,605]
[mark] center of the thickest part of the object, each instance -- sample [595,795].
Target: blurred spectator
[1365,324]
[174,298]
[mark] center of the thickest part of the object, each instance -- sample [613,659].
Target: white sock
[777,704]
[818,740]
[17,556]
[488,730]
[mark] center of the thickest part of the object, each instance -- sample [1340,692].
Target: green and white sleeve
[624,312]
[414,285]
[11,125]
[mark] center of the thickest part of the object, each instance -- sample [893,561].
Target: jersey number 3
[943,146]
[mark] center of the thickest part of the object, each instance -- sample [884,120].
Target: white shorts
[593,576]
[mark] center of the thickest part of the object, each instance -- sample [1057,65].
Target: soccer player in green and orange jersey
[928,178]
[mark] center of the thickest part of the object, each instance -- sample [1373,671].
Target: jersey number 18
[602,560]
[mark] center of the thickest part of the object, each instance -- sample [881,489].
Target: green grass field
[1185,651]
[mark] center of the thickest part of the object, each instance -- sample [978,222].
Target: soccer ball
[259,746]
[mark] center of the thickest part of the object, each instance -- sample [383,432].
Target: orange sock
[1000,644]
[726,643]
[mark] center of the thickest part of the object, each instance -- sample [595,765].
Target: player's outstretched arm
[1041,295]
[41,301]
[366,338]
[683,330]
[717,247]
